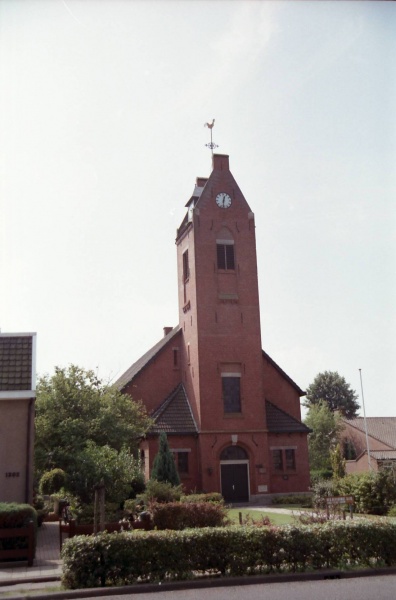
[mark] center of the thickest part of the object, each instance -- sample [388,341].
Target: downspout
[29,453]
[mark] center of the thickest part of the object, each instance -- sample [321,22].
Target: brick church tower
[231,414]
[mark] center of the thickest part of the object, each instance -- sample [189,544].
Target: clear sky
[102,107]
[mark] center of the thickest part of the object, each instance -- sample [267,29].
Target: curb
[151,588]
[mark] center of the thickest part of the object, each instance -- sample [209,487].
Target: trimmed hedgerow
[125,558]
[13,516]
[180,515]
[211,497]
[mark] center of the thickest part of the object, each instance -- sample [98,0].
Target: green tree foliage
[326,427]
[330,387]
[80,421]
[337,462]
[117,469]
[164,467]
[52,481]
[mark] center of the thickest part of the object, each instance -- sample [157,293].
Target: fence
[26,553]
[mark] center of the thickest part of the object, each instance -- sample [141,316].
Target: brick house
[381,433]
[231,414]
[17,398]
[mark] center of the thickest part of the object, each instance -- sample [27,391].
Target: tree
[337,462]
[164,467]
[333,389]
[78,416]
[326,427]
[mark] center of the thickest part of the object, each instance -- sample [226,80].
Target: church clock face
[223,200]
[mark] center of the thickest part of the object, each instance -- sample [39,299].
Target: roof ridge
[142,362]
[282,372]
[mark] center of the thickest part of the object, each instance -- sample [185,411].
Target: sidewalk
[47,565]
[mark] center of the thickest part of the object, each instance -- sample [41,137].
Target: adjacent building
[232,415]
[17,398]
[381,438]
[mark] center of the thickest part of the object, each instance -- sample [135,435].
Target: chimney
[167,330]
[201,181]
[220,162]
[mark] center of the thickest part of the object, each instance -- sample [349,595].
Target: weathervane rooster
[212,145]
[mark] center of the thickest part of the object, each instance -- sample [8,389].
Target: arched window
[234,453]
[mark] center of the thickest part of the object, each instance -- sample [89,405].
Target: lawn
[255,515]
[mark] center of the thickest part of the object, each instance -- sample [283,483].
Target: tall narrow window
[225,256]
[277,460]
[182,462]
[186,267]
[290,457]
[231,393]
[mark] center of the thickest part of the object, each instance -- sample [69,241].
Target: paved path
[47,563]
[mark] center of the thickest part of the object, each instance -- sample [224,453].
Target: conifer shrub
[164,466]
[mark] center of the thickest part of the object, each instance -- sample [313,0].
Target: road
[359,588]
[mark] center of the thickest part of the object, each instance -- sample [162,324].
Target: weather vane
[212,145]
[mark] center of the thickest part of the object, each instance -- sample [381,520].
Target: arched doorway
[234,469]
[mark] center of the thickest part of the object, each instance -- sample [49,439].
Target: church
[231,414]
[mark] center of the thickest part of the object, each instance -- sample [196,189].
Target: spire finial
[211,145]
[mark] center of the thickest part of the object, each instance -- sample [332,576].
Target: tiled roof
[16,353]
[174,415]
[283,374]
[144,360]
[383,454]
[380,428]
[279,421]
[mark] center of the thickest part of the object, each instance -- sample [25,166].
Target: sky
[102,112]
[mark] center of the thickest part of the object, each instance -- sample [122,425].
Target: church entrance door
[235,482]
[234,469]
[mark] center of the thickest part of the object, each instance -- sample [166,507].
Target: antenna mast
[365,422]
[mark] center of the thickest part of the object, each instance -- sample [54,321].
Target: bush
[52,481]
[84,513]
[374,493]
[160,491]
[321,490]
[319,474]
[182,515]
[124,558]
[212,497]
[14,516]
[392,511]
[304,500]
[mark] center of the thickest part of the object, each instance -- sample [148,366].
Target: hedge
[13,516]
[126,558]
[180,515]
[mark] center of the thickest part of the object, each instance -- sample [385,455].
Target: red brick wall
[289,481]
[279,391]
[156,381]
